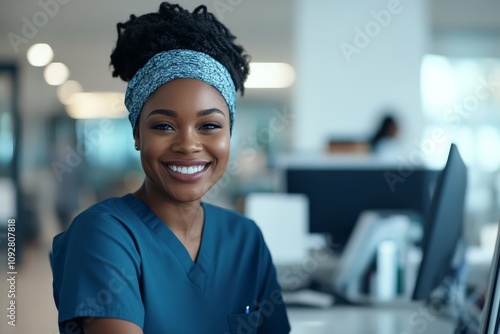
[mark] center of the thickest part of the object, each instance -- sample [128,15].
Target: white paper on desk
[308,298]
[283,220]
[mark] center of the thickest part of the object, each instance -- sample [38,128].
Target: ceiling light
[67,89]
[40,54]
[96,105]
[56,74]
[270,75]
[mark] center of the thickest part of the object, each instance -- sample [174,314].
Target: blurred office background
[325,75]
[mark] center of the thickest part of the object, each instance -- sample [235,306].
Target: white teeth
[186,170]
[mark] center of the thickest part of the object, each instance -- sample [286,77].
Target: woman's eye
[211,126]
[162,126]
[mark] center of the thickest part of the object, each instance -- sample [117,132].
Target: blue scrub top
[119,260]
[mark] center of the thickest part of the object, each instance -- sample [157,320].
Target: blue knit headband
[176,64]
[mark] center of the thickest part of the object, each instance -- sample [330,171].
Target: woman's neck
[185,219]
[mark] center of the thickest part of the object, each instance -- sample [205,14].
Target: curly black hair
[173,27]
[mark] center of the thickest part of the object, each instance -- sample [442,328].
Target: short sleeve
[271,304]
[96,268]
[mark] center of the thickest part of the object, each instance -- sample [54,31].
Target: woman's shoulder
[106,205]
[107,208]
[223,213]
[108,214]
[105,224]
[229,218]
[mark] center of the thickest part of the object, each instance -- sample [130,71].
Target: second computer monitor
[443,228]
[338,194]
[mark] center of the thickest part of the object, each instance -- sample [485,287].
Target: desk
[408,319]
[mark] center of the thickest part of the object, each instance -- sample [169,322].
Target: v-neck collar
[196,271]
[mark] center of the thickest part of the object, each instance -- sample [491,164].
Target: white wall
[340,93]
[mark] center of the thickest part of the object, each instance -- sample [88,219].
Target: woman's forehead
[186,94]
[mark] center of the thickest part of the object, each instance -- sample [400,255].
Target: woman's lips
[186,171]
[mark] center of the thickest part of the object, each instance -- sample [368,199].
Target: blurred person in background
[384,140]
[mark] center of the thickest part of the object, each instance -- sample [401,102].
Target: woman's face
[183,135]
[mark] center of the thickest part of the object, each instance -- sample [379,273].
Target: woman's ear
[137,139]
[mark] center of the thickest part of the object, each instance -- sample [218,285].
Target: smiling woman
[159,260]
[183,135]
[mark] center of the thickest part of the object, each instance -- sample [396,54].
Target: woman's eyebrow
[206,112]
[165,112]
[171,113]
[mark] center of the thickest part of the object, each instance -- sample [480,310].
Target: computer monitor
[490,322]
[339,193]
[443,228]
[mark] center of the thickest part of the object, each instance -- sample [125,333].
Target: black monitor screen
[443,226]
[337,196]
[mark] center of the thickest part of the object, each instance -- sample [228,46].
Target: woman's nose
[187,142]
